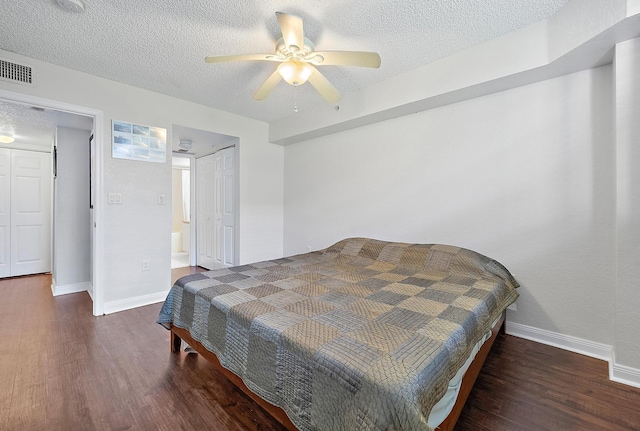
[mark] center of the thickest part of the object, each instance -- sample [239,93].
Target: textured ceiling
[161,46]
[34,127]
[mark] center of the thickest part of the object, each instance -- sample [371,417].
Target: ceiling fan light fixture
[295,72]
[6,139]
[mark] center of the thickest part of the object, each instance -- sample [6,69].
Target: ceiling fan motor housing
[281,49]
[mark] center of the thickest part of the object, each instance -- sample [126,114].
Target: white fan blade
[268,86]
[324,87]
[242,57]
[292,31]
[346,58]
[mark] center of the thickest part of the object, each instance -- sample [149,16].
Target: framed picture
[138,142]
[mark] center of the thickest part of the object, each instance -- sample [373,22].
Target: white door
[204,211]
[5,216]
[226,190]
[30,212]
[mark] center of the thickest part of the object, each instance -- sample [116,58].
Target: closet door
[225,206]
[5,216]
[204,211]
[30,212]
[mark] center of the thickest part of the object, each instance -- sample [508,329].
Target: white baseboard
[566,342]
[625,375]
[617,373]
[69,288]
[138,301]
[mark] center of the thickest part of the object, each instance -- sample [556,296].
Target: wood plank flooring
[63,369]
[529,386]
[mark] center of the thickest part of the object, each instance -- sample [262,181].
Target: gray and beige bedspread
[364,335]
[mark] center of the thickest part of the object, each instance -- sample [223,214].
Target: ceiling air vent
[16,73]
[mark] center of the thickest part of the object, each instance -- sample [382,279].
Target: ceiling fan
[297,59]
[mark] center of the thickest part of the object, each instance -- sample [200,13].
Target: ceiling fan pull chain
[295,97]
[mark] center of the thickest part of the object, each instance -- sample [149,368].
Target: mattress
[442,408]
[364,335]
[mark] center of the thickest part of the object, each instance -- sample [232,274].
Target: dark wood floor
[63,369]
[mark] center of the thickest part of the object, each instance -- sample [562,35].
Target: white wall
[525,176]
[72,255]
[177,212]
[627,299]
[139,228]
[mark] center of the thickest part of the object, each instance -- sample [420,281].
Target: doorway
[38,114]
[181,211]
[214,195]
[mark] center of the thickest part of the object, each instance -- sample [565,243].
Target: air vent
[16,73]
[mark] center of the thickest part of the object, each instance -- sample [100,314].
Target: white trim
[617,373]
[70,288]
[98,213]
[193,244]
[98,247]
[566,342]
[138,301]
[623,374]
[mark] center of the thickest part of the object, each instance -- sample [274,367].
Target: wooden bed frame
[179,334]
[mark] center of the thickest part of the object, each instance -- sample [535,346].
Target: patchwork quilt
[364,335]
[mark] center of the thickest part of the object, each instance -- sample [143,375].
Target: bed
[364,335]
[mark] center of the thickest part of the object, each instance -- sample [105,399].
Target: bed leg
[503,329]
[176,342]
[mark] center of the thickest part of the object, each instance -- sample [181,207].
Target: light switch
[161,200]
[115,198]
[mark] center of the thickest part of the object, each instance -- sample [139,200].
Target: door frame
[98,202]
